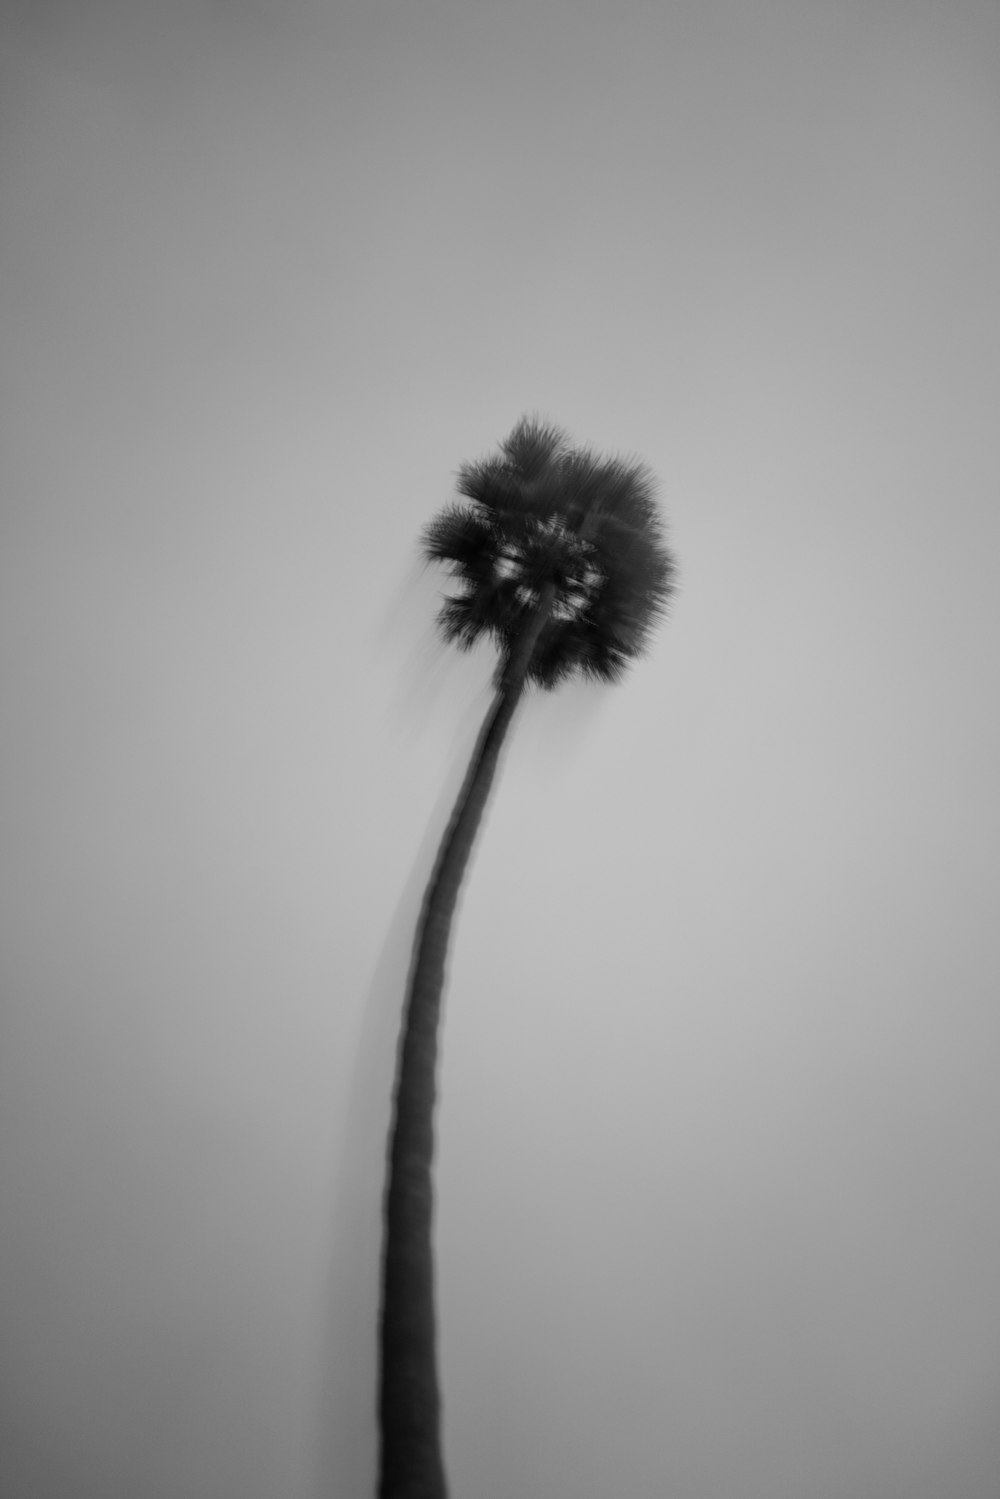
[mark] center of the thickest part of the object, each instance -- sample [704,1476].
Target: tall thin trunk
[411,1462]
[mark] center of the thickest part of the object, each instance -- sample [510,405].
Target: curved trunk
[410,1456]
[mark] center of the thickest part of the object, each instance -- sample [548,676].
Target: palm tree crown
[543,513]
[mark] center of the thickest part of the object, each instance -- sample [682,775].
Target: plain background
[718,1202]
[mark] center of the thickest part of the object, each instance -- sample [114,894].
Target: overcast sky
[718,1210]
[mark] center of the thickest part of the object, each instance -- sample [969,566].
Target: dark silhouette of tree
[559,557]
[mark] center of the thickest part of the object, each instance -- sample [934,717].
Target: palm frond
[488,483]
[461,537]
[534,446]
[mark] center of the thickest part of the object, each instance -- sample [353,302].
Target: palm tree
[559,557]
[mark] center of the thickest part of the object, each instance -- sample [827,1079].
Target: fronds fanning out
[542,519]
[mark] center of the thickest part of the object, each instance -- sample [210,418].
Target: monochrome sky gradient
[718,1212]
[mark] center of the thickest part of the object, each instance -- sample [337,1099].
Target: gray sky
[718,1207]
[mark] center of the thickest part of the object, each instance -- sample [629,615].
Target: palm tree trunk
[411,1462]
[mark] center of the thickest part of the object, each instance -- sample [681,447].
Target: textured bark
[410,1456]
